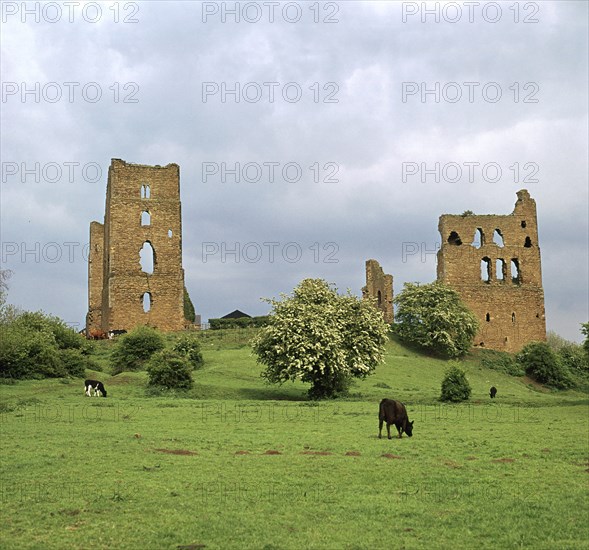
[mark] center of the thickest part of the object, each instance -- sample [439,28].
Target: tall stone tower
[379,286]
[498,274]
[135,274]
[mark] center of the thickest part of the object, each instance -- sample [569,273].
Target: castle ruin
[135,274]
[494,264]
[379,287]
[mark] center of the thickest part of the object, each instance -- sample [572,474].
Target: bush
[455,386]
[170,370]
[75,362]
[134,349]
[541,363]
[35,345]
[574,357]
[501,361]
[434,317]
[240,322]
[189,346]
[585,332]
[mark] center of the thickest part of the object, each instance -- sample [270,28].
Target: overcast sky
[350,103]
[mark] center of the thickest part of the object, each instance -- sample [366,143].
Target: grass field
[241,464]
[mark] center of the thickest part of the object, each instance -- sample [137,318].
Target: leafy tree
[170,370]
[585,331]
[320,337]
[135,348]
[189,346]
[541,363]
[434,317]
[455,386]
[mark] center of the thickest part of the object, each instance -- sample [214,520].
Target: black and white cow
[96,386]
[114,333]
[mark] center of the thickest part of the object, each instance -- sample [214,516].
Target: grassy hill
[241,464]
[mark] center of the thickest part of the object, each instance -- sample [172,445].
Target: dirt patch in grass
[353,453]
[389,455]
[471,458]
[271,452]
[242,452]
[176,451]
[321,453]
[546,450]
[452,464]
[503,460]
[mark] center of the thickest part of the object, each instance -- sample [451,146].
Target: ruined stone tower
[135,274]
[494,263]
[380,287]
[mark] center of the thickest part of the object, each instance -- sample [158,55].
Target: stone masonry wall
[116,282]
[498,274]
[379,286]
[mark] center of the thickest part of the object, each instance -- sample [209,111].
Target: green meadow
[237,463]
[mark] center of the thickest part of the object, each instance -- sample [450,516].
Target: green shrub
[574,357]
[544,365]
[28,353]
[585,332]
[455,386]
[65,337]
[501,361]
[240,322]
[134,349]
[74,362]
[170,370]
[189,346]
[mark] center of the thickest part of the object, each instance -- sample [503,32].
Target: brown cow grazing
[493,392]
[394,412]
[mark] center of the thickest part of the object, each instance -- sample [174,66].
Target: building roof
[235,315]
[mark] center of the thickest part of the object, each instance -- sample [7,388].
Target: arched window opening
[145,218]
[515,274]
[479,238]
[528,243]
[500,270]
[454,238]
[379,298]
[486,270]
[488,317]
[170,233]
[146,301]
[523,224]
[513,317]
[498,238]
[147,258]
[145,192]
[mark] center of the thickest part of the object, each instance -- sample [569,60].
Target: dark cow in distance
[493,392]
[94,385]
[394,412]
